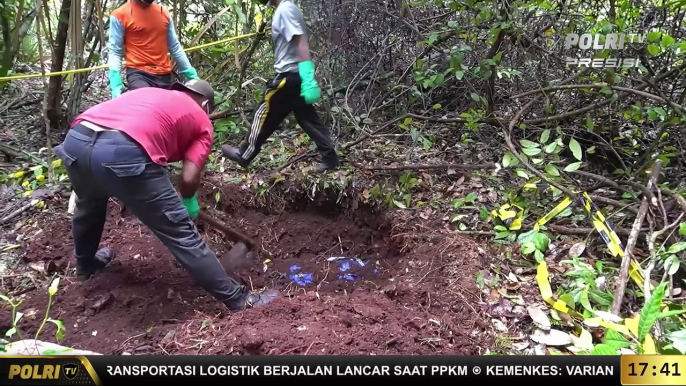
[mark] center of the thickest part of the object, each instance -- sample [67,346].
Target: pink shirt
[169,125]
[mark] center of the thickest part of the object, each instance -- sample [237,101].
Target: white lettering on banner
[612,41]
[297,370]
[602,63]
[171,370]
[410,370]
[230,370]
[449,370]
[522,370]
[590,370]
[363,370]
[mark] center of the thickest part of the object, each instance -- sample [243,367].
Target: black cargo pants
[281,98]
[103,164]
[136,79]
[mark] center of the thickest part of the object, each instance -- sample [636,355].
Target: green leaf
[677,247]
[653,49]
[573,167]
[615,340]
[437,106]
[589,123]
[509,159]
[53,286]
[584,299]
[552,170]
[667,40]
[545,135]
[527,143]
[669,314]
[520,172]
[528,248]
[650,311]
[550,147]
[654,36]
[475,97]
[678,339]
[539,256]
[568,299]
[576,148]
[541,241]
[17,317]
[603,349]
[531,151]
[11,332]
[60,328]
[682,228]
[606,90]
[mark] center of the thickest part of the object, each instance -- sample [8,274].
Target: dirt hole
[347,287]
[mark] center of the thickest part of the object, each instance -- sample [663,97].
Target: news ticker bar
[534,370]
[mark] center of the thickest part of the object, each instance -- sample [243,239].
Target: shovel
[238,255]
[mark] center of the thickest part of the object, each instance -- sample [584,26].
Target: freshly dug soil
[418,301]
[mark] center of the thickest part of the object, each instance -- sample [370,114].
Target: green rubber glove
[192,205]
[190,73]
[116,83]
[309,89]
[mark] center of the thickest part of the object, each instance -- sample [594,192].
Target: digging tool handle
[237,236]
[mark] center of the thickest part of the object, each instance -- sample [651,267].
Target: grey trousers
[103,164]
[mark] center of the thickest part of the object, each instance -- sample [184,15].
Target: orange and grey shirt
[143,36]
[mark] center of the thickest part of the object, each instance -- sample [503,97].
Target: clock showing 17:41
[653,370]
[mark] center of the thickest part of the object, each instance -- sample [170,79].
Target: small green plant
[17,315]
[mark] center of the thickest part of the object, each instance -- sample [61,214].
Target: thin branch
[631,243]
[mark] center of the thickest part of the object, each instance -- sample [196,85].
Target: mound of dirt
[347,288]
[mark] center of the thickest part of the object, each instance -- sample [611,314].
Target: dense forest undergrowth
[502,198]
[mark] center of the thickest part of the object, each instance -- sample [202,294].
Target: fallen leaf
[584,341]
[512,286]
[608,317]
[520,346]
[552,337]
[511,276]
[577,249]
[494,296]
[539,317]
[499,325]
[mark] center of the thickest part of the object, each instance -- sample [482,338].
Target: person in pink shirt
[120,148]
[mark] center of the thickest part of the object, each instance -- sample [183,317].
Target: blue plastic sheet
[343,265]
[300,278]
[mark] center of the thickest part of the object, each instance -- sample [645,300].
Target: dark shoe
[102,257]
[234,155]
[252,300]
[323,167]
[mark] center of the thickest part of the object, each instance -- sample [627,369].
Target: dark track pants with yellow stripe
[281,98]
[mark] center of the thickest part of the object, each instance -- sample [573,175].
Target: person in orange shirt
[142,33]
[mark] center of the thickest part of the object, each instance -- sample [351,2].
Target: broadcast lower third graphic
[47,370]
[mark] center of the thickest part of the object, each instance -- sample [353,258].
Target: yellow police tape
[628,329]
[600,223]
[511,214]
[104,66]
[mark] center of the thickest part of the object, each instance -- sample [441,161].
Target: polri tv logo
[613,41]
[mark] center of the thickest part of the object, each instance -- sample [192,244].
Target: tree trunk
[54,112]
